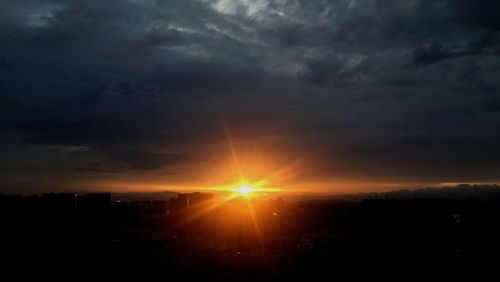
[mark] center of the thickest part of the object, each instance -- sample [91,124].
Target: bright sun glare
[244,190]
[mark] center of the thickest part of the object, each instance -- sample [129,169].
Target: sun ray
[255,223]
[232,149]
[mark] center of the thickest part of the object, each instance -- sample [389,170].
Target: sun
[244,190]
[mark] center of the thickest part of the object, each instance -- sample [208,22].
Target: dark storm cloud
[484,14]
[149,84]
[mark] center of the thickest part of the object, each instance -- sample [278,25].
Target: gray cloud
[151,84]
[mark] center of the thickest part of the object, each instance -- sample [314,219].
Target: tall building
[94,212]
[52,213]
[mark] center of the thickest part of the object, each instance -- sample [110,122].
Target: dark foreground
[61,237]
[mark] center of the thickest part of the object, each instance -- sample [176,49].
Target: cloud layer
[396,91]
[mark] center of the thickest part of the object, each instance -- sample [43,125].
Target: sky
[324,96]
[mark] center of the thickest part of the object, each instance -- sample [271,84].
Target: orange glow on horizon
[244,189]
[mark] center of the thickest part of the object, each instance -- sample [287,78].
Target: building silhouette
[186,200]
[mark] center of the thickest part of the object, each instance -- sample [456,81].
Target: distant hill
[461,191]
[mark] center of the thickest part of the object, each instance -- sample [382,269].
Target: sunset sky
[312,96]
